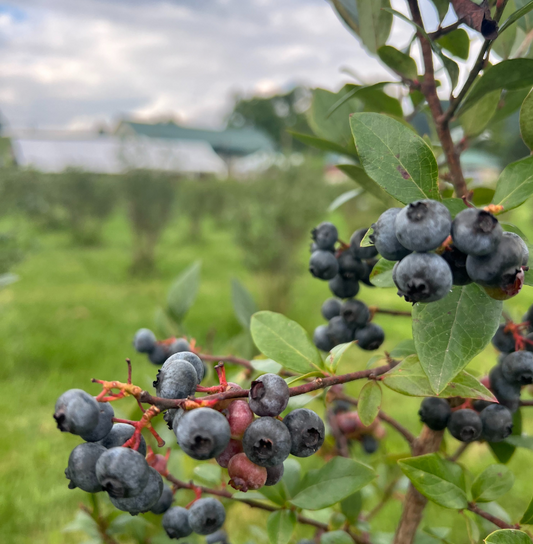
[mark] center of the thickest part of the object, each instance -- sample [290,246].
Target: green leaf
[243,303]
[369,403]
[335,355]
[7,279]
[348,13]
[456,42]
[351,506]
[335,481]
[280,526]
[515,184]
[508,227]
[503,46]
[508,536]
[284,341]
[183,292]
[442,7]
[454,205]
[521,12]
[492,483]
[525,22]
[527,518]
[408,378]
[438,480]
[374,23]
[526,120]
[403,349]
[381,275]
[395,158]
[208,474]
[477,118]
[291,477]
[511,74]
[364,181]
[452,68]
[266,365]
[398,62]
[345,197]
[336,537]
[449,333]
[323,145]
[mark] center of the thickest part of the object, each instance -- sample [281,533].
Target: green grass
[71,317]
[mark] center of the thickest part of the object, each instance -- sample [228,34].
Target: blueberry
[122,472]
[203,433]
[267,442]
[341,406]
[206,516]
[325,235]
[517,368]
[119,434]
[81,470]
[343,288]
[523,245]
[159,354]
[274,474]
[370,444]
[76,412]
[457,262]
[245,475]
[503,341]
[422,277]
[104,426]
[269,395]
[144,341]
[465,425]
[355,246]
[339,332]
[239,416]
[164,502]
[219,537]
[176,522]
[508,394]
[355,313]
[191,358]
[435,413]
[233,448]
[172,417]
[384,236]
[479,405]
[179,345]
[476,232]
[369,337]
[321,338]
[529,344]
[177,380]
[351,268]
[307,432]
[331,308]
[423,225]
[497,423]
[505,260]
[323,265]
[369,267]
[146,499]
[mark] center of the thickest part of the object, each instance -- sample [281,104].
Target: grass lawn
[71,317]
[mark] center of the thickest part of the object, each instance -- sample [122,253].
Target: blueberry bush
[454,261]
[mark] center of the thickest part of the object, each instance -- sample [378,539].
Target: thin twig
[442,31]
[341,441]
[473,507]
[376,310]
[459,451]
[387,495]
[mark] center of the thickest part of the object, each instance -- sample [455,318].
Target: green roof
[231,141]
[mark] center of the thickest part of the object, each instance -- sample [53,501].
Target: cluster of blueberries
[485,420]
[344,268]
[145,341]
[479,251]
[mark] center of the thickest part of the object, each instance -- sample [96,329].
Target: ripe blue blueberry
[350,267]
[76,412]
[422,277]
[384,236]
[191,358]
[423,225]
[323,265]
[517,367]
[476,232]
[269,395]
[122,472]
[355,246]
[159,354]
[307,432]
[369,267]
[274,474]
[497,423]
[203,433]
[331,308]
[457,262]
[503,340]
[465,425]
[508,394]
[164,502]
[119,434]
[342,287]
[104,425]
[267,442]
[219,537]
[321,338]
[435,413]
[523,245]
[370,444]
[81,469]
[355,313]
[146,499]
[176,522]
[144,341]
[179,345]
[206,516]
[369,337]
[339,332]
[177,380]
[325,235]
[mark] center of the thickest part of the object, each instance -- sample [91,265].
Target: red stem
[473,507]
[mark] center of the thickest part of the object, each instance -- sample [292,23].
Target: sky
[78,64]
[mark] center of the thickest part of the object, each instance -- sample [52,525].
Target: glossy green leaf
[323,145]
[284,341]
[526,21]
[381,275]
[395,158]
[518,14]
[508,536]
[442,7]
[358,174]
[374,23]
[336,537]
[449,333]
[503,46]
[510,74]
[291,477]
[438,480]
[477,117]
[456,42]
[398,62]
[527,518]
[280,526]
[335,355]
[351,506]
[526,120]
[408,378]
[515,184]
[403,349]
[369,402]
[266,365]
[183,292]
[335,481]
[348,13]
[492,483]
[243,303]
[510,101]
[345,197]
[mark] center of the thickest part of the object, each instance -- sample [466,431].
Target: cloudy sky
[77,63]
